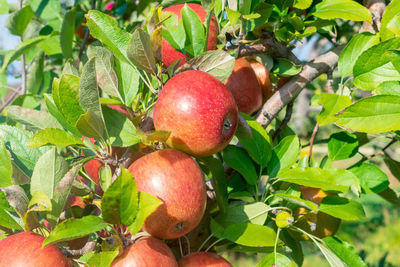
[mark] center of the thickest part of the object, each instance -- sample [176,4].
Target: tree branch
[376,7]
[294,86]
[85,38]
[288,115]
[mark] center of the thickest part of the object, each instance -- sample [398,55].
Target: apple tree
[161,133]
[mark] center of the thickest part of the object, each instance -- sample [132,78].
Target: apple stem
[205,242]
[213,244]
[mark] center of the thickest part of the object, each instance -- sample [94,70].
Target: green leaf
[17,198]
[105,28]
[18,21]
[313,177]
[344,251]
[374,65]
[7,219]
[233,16]
[147,205]
[255,213]
[302,4]
[140,51]
[194,30]
[342,208]
[104,258]
[53,136]
[372,179]
[345,178]
[120,202]
[31,117]
[390,21]
[173,31]
[236,158]
[4,8]
[249,234]
[216,62]
[342,9]
[297,200]
[331,105]
[393,165]
[342,145]
[284,67]
[89,98]
[48,172]
[74,228]
[395,59]
[6,169]
[67,33]
[51,46]
[35,76]
[284,155]
[258,144]
[46,9]
[391,196]
[349,55]
[129,81]
[376,114]
[281,260]
[121,130]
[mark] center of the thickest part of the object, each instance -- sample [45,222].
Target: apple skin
[244,87]
[262,74]
[176,179]
[169,54]
[314,194]
[203,259]
[146,252]
[199,111]
[25,249]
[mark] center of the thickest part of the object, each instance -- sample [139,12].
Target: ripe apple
[203,259]
[282,81]
[262,74]
[169,54]
[177,180]
[244,87]
[314,194]
[25,249]
[199,111]
[147,251]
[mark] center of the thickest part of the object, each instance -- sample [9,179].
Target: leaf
[70,68]
[236,158]
[35,76]
[33,118]
[121,130]
[342,208]
[140,51]
[372,178]
[344,251]
[15,141]
[105,28]
[281,260]
[393,165]
[284,67]
[298,201]
[331,104]
[173,31]
[216,62]
[119,204]
[391,196]
[342,145]
[255,213]
[345,178]
[7,219]
[46,9]
[104,258]
[129,81]
[249,234]
[258,144]
[284,155]
[147,205]
[313,177]
[302,4]
[67,33]
[6,169]
[233,16]
[17,21]
[53,136]
[38,203]
[332,259]
[376,114]
[17,199]
[390,17]
[4,8]
[74,228]
[51,46]
[342,9]
[194,29]
[48,172]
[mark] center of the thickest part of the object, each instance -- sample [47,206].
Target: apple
[262,74]
[146,252]
[176,179]
[282,81]
[314,194]
[74,200]
[169,54]
[244,87]
[199,111]
[25,249]
[203,259]
[120,109]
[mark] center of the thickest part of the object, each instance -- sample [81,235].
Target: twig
[89,247]
[364,158]
[376,7]
[288,115]
[9,100]
[23,83]
[125,161]
[329,82]
[85,38]
[314,133]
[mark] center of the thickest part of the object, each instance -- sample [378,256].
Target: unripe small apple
[199,111]
[146,252]
[177,180]
[244,87]
[25,249]
[203,259]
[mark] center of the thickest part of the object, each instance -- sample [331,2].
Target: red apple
[25,249]
[244,87]
[177,180]
[262,74]
[74,200]
[169,54]
[199,111]
[203,259]
[146,252]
